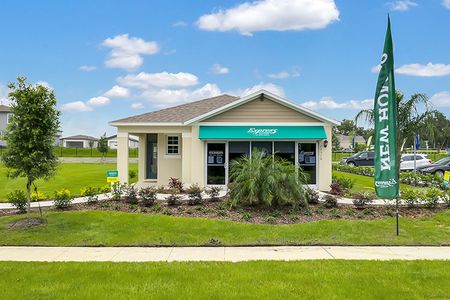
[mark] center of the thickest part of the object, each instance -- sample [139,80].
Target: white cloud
[137,105]
[275,15]
[270,87]
[44,84]
[330,103]
[376,69]
[87,68]
[76,106]
[98,101]
[218,69]
[294,72]
[428,70]
[162,80]
[126,51]
[446,3]
[441,99]
[161,98]
[180,24]
[118,91]
[403,5]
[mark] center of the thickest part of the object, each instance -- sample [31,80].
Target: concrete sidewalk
[229,254]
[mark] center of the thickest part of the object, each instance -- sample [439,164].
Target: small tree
[103,145]
[31,133]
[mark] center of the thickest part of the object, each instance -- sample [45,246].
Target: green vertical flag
[385,119]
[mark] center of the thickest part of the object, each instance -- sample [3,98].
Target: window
[8,118]
[173,146]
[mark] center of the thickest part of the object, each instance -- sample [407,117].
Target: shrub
[213,193]
[174,198]
[175,184]
[18,199]
[336,189]
[270,181]
[63,198]
[161,189]
[105,189]
[361,199]
[312,196]
[91,194]
[345,183]
[132,174]
[432,197]
[194,194]
[117,190]
[130,195]
[148,195]
[446,198]
[37,196]
[330,201]
[411,197]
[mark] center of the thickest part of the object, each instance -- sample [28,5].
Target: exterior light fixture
[325,143]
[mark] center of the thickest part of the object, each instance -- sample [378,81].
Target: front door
[216,164]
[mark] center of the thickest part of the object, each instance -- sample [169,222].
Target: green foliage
[132,174]
[18,199]
[105,189]
[63,198]
[330,201]
[213,193]
[130,194]
[194,194]
[30,134]
[174,198]
[411,197]
[117,191]
[266,180]
[102,145]
[312,196]
[362,199]
[37,196]
[91,194]
[432,197]
[148,195]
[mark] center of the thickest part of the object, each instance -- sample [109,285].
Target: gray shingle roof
[181,113]
[4,108]
[80,137]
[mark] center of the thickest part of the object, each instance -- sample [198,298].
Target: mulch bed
[27,223]
[255,215]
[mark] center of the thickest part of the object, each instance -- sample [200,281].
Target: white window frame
[173,145]
[8,118]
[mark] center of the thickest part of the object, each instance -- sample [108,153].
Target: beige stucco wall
[325,161]
[261,111]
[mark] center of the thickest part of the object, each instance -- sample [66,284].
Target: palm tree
[409,118]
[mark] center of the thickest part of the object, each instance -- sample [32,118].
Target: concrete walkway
[229,254]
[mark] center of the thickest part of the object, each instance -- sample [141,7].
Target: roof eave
[119,124]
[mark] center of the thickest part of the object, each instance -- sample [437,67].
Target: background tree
[102,145]
[336,144]
[31,133]
[436,129]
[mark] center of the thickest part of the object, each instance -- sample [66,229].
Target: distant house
[133,142]
[346,141]
[79,141]
[5,113]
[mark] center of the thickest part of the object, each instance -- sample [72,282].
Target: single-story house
[345,141]
[195,142]
[133,142]
[79,141]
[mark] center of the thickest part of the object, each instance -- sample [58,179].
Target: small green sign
[113,173]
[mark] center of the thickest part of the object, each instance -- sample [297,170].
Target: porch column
[122,156]
[186,154]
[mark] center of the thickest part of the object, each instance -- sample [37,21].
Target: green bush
[63,198]
[105,189]
[117,190]
[174,198]
[330,201]
[18,199]
[148,195]
[195,194]
[411,197]
[37,196]
[213,193]
[346,183]
[91,194]
[270,181]
[312,196]
[130,195]
[132,174]
[432,197]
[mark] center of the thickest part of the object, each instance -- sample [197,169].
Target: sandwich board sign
[112,176]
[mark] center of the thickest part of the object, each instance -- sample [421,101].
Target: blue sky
[318,53]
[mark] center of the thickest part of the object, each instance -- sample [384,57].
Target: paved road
[230,254]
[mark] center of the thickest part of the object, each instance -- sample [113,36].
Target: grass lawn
[364,183]
[88,152]
[70,176]
[107,228]
[219,280]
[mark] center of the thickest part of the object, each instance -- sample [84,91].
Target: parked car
[438,168]
[407,161]
[365,158]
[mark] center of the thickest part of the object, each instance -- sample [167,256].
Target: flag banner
[385,119]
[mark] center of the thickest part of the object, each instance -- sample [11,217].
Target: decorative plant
[176,184]
[130,195]
[90,193]
[63,198]
[330,201]
[174,198]
[148,195]
[362,199]
[336,189]
[194,194]
[267,180]
[18,199]
[411,197]
[312,196]
[213,193]
[432,197]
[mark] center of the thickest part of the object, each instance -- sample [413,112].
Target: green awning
[262,132]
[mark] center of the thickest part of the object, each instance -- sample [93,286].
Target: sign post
[385,120]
